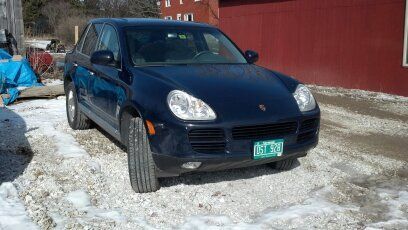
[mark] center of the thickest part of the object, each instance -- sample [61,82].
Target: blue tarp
[14,74]
[4,54]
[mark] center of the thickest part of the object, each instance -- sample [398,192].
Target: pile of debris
[15,74]
[18,80]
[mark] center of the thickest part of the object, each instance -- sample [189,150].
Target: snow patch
[397,203]
[82,201]
[79,199]
[52,82]
[95,166]
[316,206]
[12,212]
[106,214]
[37,43]
[44,115]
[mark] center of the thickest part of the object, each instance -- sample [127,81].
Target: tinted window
[81,40]
[91,38]
[159,46]
[212,42]
[110,41]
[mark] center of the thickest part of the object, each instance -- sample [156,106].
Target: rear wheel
[284,165]
[142,169]
[76,119]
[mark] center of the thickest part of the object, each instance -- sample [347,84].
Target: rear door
[106,90]
[83,71]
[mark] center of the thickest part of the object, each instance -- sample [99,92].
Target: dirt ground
[356,178]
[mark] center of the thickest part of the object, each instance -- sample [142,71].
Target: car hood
[235,92]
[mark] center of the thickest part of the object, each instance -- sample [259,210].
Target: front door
[105,87]
[83,70]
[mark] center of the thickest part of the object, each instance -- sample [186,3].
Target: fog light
[191,165]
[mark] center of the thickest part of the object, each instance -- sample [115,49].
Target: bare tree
[144,8]
[129,8]
[55,11]
[212,6]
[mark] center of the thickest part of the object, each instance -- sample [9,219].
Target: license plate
[268,149]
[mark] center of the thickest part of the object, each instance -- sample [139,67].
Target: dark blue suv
[183,97]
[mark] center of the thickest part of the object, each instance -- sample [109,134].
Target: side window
[81,40]
[110,41]
[91,37]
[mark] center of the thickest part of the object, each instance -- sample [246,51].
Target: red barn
[205,11]
[349,43]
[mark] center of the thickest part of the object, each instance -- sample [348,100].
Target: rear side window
[91,37]
[109,41]
[81,40]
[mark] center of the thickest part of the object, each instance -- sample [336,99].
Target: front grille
[308,130]
[309,124]
[207,140]
[303,137]
[264,131]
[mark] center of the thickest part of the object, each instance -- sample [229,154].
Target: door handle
[91,73]
[75,64]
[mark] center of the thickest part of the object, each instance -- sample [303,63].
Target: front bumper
[169,166]
[172,147]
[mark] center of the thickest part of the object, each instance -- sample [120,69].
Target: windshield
[167,46]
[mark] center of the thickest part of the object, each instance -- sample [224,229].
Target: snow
[316,206]
[37,43]
[79,198]
[359,94]
[44,116]
[52,82]
[12,211]
[396,201]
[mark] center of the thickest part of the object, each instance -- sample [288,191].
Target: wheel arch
[128,111]
[67,79]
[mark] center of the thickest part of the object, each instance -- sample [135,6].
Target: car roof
[124,22]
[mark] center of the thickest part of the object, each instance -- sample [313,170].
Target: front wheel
[142,169]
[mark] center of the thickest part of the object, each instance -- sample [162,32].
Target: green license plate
[268,149]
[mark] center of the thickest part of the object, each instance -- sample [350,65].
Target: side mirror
[251,56]
[103,57]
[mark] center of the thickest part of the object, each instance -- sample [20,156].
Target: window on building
[167,3]
[405,58]
[168,17]
[189,17]
[181,1]
[179,17]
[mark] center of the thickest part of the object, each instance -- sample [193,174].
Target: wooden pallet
[42,92]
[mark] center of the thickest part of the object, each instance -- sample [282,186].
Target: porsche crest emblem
[262,107]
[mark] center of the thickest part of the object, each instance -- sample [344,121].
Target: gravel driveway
[357,177]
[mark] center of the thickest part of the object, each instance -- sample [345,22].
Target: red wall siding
[347,43]
[205,11]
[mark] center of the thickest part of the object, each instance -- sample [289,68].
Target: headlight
[187,107]
[304,98]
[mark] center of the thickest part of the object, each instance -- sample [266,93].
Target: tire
[142,169]
[76,119]
[284,165]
